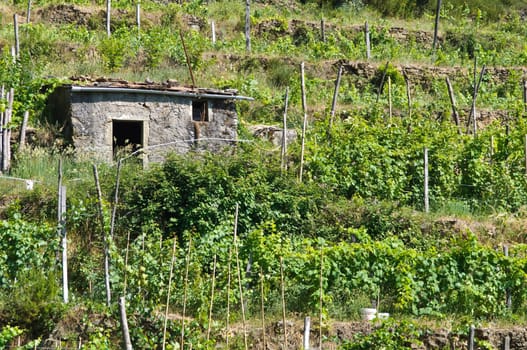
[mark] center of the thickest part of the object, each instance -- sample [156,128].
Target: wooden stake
[472,116]
[307,330]
[525,153]
[2,131]
[188,60]
[304,125]
[108,15]
[508,298]
[238,271]
[436,26]
[367,38]
[248,25]
[138,16]
[335,96]
[59,207]
[9,116]
[185,291]
[408,95]
[228,299]
[64,243]
[471,338]
[168,292]
[525,94]
[491,149]
[211,298]
[381,85]
[283,156]
[427,204]
[22,140]
[507,343]
[321,294]
[282,289]
[213,31]
[115,198]
[262,307]
[106,243]
[127,343]
[390,100]
[452,97]
[320,300]
[17,39]
[126,261]
[28,13]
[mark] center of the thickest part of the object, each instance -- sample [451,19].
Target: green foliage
[24,247]
[7,334]
[32,302]
[113,51]
[391,335]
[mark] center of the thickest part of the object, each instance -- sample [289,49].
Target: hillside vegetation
[203,246]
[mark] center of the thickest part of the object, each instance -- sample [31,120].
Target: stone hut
[113,118]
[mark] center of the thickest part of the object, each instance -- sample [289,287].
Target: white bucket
[368,314]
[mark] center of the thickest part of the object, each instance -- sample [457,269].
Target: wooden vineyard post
[321,296]
[452,97]
[209,325]
[248,25]
[28,13]
[390,100]
[2,117]
[126,262]
[508,298]
[282,290]
[436,26]
[304,124]
[138,16]
[471,338]
[127,343]
[64,242]
[22,140]
[525,153]
[115,198]
[108,17]
[408,95]
[228,298]
[381,85]
[168,292]
[5,130]
[525,94]
[106,244]
[189,66]
[238,271]
[9,116]
[427,202]
[185,291]
[507,343]
[307,330]
[262,306]
[283,157]
[335,96]
[367,38]
[17,38]
[472,116]
[213,32]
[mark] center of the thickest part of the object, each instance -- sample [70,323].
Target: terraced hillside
[233,250]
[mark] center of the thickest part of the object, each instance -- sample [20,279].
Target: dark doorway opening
[200,111]
[127,136]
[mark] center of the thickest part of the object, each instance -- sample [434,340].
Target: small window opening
[127,136]
[200,111]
